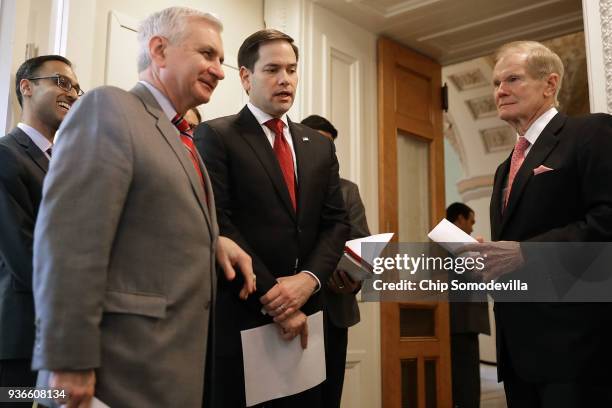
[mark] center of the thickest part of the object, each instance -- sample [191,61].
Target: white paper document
[96,403]
[275,368]
[449,236]
[357,258]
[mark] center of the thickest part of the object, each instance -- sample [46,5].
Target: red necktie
[284,156]
[518,157]
[187,139]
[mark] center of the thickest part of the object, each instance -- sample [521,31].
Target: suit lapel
[37,155]
[169,132]
[498,196]
[545,143]
[250,130]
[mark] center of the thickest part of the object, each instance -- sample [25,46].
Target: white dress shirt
[537,127]
[262,117]
[37,138]
[163,101]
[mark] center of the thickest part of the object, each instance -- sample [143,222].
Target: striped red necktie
[187,139]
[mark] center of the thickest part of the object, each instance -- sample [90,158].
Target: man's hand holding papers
[295,324]
[501,257]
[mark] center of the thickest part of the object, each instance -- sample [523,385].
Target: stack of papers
[358,259]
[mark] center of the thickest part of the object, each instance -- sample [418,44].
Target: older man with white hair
[554,187]
[124,255]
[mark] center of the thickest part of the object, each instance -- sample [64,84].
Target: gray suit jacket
[123,254]
[342,309]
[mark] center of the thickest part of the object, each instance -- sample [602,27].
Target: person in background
[126,238]
[46,87]
[278,195]
[468,318]
[341,308]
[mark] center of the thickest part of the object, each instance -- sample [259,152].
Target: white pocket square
[541,169]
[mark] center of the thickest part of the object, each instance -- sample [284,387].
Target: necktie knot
[521,145]
[181,124]
[275,125]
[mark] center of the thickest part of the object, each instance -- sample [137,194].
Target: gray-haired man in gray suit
[124,254]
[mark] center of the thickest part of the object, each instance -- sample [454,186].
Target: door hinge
[445,97]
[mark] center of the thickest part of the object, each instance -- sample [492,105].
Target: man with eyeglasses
[46,88]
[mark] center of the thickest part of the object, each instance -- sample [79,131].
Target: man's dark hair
[248,54]
[317,122]
[30,69]
[456,209]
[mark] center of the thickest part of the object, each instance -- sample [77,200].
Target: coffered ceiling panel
[456,30]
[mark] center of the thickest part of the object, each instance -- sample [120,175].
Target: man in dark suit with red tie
[278,196]
[46,88]
[554,187]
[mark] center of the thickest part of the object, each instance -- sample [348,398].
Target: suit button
[299,230]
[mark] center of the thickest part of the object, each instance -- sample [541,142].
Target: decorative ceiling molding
[518,31]
[476,187]
[482,107]
[474,78]
[475,183]
[451,31]
[498,139]
[605,10]
[391,11]
[450,133]
[487,20]
[472,195]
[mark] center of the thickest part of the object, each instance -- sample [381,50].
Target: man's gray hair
[171,24]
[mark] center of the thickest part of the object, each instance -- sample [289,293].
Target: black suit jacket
[254,209]
[342,308]
[573,202]
[22,169]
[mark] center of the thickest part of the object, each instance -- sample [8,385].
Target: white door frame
[7,35]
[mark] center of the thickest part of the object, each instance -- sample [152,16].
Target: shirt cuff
[315,278]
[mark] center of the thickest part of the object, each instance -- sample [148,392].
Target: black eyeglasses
[62,82]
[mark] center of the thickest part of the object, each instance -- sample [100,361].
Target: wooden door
[415,338]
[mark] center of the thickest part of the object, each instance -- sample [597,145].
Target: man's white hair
[171,24]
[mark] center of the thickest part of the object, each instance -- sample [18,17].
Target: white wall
[87,35]
[88,28]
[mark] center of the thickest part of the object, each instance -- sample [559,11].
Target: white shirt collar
[538,126]
[162,99]
[262,117]
[37,138]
